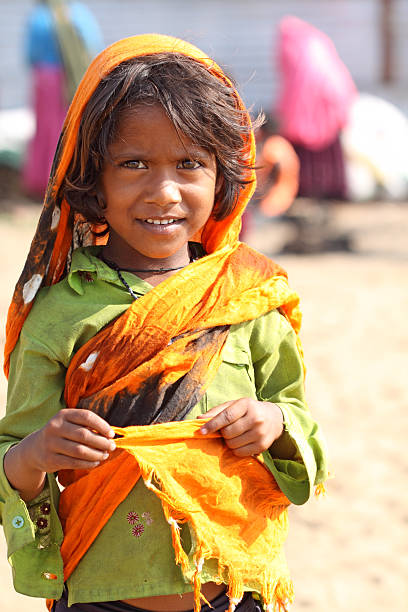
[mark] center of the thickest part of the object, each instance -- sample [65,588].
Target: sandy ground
[348,551]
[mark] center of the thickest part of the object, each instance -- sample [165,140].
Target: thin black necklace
[127,286]
[118,270]
[151,270]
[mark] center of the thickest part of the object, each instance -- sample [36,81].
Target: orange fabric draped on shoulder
[170,339]
[136,345]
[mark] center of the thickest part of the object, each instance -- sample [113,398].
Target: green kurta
[133,555]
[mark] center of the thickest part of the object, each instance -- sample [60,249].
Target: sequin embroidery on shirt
[133,518]
[139,522]
[40,510]
[42,522]
[138,530]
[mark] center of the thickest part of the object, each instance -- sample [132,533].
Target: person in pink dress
[44,54]
[315,97]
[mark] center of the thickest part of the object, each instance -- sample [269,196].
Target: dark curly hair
[200,105]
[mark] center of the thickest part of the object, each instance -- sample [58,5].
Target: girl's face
[158,188]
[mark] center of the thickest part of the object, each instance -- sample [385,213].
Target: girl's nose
[164,192]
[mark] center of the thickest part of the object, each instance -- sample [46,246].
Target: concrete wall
[240,34]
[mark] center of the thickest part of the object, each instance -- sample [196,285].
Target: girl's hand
[72,439]
[248,426]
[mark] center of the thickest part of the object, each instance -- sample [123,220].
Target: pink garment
[317,89]
[50,109]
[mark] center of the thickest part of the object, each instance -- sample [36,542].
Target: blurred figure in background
[277,175]
[313,107]
[278,170]
[61,38]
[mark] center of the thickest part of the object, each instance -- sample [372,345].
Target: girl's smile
[158,188]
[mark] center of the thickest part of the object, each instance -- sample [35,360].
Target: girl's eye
[134,163]
[189,164]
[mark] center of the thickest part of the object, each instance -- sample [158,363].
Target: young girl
[138,306]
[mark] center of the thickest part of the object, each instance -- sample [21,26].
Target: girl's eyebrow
[198,152]
[127,154]
[192,151]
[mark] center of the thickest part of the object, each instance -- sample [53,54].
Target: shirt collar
[85,261]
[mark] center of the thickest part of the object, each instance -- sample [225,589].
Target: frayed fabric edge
[277,594]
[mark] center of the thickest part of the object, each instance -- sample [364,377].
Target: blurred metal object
[387,40]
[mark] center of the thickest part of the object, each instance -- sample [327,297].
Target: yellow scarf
[235,511]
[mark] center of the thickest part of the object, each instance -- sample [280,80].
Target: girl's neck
[154,271]
[161,270]
[137,263]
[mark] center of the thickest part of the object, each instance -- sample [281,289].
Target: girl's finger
[64,462]
[216,410]
[86,418]
[74,450]
[226,415]
[87,437]
[238,428]
[240,441]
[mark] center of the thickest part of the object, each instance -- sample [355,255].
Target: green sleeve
[298,458]
[33,531]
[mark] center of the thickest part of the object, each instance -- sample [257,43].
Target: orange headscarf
[163,351]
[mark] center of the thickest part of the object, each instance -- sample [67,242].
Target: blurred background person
[314,101]
[278,170]
[61,38]
[277,176]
